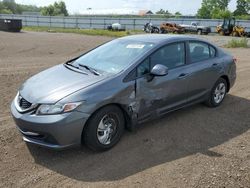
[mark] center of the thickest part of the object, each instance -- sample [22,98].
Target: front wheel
[199,32]
[222,33]
[104,129]
[218,93]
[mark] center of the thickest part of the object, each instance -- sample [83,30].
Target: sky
[187,7]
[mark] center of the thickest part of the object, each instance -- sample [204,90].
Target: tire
[216,95]
[163,31]
[109,121]
[235,34]
[157,30]
[222,33]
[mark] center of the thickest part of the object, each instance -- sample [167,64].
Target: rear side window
[199,51]
[171,56]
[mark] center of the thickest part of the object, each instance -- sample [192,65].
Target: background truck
[171,28]
[196,28]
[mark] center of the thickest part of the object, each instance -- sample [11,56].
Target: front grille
[24,104]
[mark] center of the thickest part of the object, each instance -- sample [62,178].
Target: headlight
[46,109]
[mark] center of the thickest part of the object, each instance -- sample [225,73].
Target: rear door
[205,68]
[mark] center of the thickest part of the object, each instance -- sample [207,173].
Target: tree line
[217,9]
[11,7]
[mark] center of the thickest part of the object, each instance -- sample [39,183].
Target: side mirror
[159,70]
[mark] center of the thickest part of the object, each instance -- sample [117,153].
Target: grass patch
[99,32]
[237,43]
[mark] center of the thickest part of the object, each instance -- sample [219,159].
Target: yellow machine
[238,31]
[229,28]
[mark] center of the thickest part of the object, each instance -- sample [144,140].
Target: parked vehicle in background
[116,27]
[229,27]
[92,98]
[196,28]
[171,28]
[150,28]
[12,25]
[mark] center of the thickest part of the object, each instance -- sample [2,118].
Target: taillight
[235,60]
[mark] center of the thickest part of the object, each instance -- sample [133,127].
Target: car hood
[56,83]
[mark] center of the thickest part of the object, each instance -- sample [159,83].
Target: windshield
[114,56]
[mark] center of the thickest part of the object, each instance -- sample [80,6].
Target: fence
[89,22]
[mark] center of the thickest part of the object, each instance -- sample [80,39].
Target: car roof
[159,38]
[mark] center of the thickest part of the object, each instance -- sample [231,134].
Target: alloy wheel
[107,129]
[219,93]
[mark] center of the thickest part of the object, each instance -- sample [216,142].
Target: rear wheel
[218,93]
[163,31]
[235,34]
[104,129]
[156,30]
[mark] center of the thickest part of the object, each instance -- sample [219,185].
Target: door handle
[183,75]
[217,66]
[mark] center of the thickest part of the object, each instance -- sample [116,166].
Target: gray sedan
[93,98]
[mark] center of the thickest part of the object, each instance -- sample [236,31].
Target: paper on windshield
[137,46]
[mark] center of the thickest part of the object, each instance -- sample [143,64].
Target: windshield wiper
[95,72]
[69,64]
[76,67]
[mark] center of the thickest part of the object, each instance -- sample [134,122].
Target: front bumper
[53,131]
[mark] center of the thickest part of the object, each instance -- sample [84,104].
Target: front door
[160,94]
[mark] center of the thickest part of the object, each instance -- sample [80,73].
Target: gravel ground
[192,147]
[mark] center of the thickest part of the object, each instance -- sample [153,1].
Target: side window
[212,51]
[130,76]
[143,68]
[172,56]
[199,51]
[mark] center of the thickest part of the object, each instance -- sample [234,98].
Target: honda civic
[93,98]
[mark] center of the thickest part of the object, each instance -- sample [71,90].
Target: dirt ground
[192,147]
